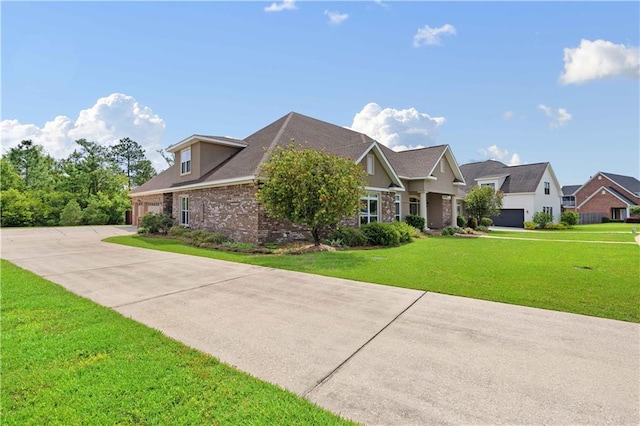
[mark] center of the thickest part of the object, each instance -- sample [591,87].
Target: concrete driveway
[375,354]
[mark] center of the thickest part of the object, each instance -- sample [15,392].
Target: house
[603,195]
[214,180]
[527,189]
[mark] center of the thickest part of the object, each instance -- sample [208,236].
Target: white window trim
[183,162]
[398,204]
[184,214]
[369,196]
[371,165]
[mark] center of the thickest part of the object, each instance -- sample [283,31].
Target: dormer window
[490,185]
[185,161]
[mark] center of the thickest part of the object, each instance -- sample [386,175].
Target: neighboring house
[527,188]
[604,195]
[214,180]
[569,197]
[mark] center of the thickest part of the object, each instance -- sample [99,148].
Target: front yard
[579,277]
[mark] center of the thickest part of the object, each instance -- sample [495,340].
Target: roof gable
[519,179]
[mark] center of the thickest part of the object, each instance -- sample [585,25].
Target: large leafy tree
[309,187]
[35,167]
[130,158]
[483,201]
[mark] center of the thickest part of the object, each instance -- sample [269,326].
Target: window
[547,188]
[371,164]
[185,161]
[184,211]
[442,166]
[490,185]
[397,208]
[414,205]
[369,208]
[548,210]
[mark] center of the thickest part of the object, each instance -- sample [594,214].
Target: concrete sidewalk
[375,354]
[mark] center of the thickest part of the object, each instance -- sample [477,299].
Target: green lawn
[66,360]
[592,279]
[607,232]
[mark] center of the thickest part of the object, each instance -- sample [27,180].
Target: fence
[587,218]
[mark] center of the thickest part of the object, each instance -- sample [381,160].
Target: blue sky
[519,82]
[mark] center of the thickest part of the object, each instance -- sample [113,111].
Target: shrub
[404,230]
[632,220]
[143,230]
[555,226]
[570,218]
[178,231]
[605,219]
[529,225]
[157,223]
[381,234]
[351,237]
[71,214]
[416,221]
[486,221]
[482,228]
[449,230]
[472,223]
[634,210]
[468,230]
[460,221]
[541,219]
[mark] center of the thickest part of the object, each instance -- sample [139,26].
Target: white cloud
[597,59]
[494,152]
[428,36]
[398,129]
[507,115]
[107,121]
[336,18]
[558,117]
[381,4]
[279,7]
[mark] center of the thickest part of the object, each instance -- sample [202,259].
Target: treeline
[89,187]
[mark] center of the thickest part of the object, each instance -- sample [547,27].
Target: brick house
[527,189]
[603,195]
[214,180]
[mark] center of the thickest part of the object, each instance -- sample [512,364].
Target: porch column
[423,208]
[454,211]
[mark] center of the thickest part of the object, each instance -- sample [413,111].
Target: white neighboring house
[527,188]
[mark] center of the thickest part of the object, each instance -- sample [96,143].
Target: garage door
[512,218]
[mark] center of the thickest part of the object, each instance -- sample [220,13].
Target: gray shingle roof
[629,183]
[414,163]
[522,178]
[570,189]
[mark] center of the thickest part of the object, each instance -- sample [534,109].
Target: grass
[66,360]
[605,232]
[591,279]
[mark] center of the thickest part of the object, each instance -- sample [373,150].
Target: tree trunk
[315,232]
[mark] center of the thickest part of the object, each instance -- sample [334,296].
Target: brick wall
[230,210]
[140,206]
[602,203]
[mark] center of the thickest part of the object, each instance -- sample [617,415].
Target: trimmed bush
[570,218]
[157,223]
[482,228]
[416,221]
[472,223]
[541,219]
[486,221]
[529,225]
[556,226]
[632,220]
[142,230]
[351,237]
[605,219]
[404,230]
[460,221]
[381,234]
[178,231]
[634,210]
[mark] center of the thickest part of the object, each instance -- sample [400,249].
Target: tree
[309,187]
[483,201]
[541,219]
[634,210]
[9,177]
[130,158]
[33,165]
[71,214]
[167,157]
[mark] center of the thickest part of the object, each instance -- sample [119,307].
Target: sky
[517,82]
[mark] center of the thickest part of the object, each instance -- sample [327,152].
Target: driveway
[375,354]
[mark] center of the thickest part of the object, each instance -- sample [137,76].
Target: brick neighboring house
[527,188]
[603,195]
[214,181]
